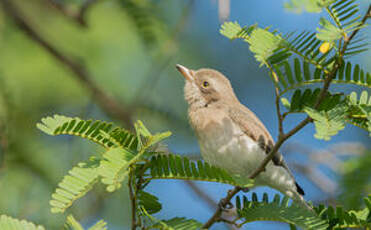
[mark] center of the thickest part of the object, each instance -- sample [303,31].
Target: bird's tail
[299,199]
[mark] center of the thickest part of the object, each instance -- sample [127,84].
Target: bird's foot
[224,205]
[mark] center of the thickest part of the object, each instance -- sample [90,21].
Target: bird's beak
[187,73]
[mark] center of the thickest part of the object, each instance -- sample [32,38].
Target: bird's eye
[205,84]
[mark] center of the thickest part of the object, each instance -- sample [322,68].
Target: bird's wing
[254,128]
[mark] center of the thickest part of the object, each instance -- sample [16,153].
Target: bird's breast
[224,144]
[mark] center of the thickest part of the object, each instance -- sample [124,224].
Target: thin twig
[283,138]
[201,194]
[4,144]
[280,117]
[108,104]
[132,197]
[364,19]
[223,202]
[77,16]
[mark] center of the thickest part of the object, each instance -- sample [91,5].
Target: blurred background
[114,60]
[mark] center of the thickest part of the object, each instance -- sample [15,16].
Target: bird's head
[204,87]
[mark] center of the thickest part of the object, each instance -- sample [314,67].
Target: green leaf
[285,103]
[144,135]
[76,184]
[360,110]
[328,123]
[100,225]
[9,223]
[277,210]
[97,131]
[149,202]
[180,223]
[176,167]
[312,6]
[233,30]
[113,168]
[72,224]
[341,219]
[298,73]
[263,44]
[150,26]
[355,167]
[328,32]
[358,77]
[177,223]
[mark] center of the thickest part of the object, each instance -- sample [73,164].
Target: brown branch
[77,16]
[216,217]
[363,21]
[201,194]
[105,101]
[284,137]
[280,117]
[4,144]
[132,197]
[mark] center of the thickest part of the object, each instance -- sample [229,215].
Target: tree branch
[284,137]
[77,16]
[105,101]
[132,197]
[223,202]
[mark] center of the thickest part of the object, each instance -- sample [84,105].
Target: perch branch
[77,16]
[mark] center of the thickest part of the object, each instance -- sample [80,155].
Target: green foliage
[123,150]
[100,225]
[263,50]
[328,32]
[149,25]
[316,58]
[149,202]
[328,123]
[113,168]
[277,210]
[343,13]
[308,97]
[73,224]
[360,110]
[294,61]
[80,180]
[177,223]
[300,75]
[340,219]
[177,167]
[329,120]
[9,223]
[95,131]
[233,30]
[358,167]
[314,6]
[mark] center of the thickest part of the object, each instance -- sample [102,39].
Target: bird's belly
[240,155]
[233,151]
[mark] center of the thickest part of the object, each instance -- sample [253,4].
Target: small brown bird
[230,135]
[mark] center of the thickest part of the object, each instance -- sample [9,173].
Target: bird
[230,135]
